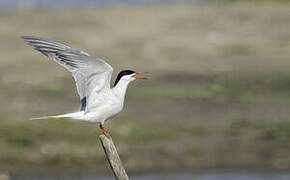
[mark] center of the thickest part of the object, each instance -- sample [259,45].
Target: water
[167,176]
[11,5]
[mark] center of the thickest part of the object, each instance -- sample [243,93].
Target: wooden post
[113,158]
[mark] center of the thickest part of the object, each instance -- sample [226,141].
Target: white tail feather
[69,115]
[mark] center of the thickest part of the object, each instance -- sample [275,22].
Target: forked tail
[69,115]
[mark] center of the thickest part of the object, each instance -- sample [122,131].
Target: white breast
[102,106]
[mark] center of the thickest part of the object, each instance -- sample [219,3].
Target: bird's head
[129,75]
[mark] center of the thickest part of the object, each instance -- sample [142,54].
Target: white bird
[99,101]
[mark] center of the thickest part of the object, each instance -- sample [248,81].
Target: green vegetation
[261,130]
[236,50]
[61,143]
[251,88]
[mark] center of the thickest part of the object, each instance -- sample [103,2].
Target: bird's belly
[102,113]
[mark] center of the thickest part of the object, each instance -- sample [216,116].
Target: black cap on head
[123,73]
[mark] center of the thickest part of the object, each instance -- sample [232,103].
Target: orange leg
[104,131]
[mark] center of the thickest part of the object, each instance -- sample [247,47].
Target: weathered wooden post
[113,158]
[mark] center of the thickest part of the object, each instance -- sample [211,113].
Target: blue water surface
[10,5]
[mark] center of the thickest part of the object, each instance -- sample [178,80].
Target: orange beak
[138,75]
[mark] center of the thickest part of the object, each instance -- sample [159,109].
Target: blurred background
[217,105]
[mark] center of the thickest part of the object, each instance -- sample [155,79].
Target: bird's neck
[120,89]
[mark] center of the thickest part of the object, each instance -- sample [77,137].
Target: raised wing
[90,74]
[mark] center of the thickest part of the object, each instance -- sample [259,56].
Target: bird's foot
[106,134]
[104,131]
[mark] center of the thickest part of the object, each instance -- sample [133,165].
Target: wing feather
[90,74]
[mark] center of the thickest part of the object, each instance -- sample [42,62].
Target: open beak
[139,75]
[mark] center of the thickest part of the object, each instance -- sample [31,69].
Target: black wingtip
[26,37]
[32,38]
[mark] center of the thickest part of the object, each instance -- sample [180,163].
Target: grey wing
[90,74]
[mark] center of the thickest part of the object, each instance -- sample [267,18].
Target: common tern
[92,76]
